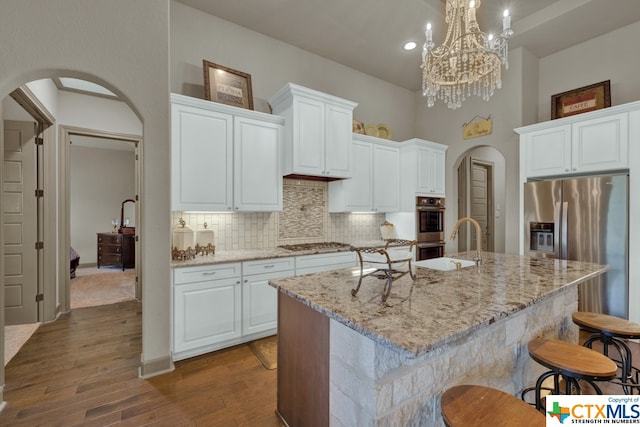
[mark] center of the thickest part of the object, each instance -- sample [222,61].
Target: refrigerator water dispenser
[541,236]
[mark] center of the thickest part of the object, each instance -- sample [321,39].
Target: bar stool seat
[611,331]
[474,405]
[570,361]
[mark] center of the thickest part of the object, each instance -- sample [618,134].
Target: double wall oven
[429,227]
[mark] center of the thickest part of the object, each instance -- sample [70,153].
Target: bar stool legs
[612,331]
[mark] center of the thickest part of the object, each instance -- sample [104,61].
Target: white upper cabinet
[201,156]
[224,158]
[591,142]
[317,136]
[422,165]
[375,182]
[386,177]
[355,194]
[548,151]
[600,144]
[257,168]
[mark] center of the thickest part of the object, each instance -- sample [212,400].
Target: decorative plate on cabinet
[371,130]
[384,131]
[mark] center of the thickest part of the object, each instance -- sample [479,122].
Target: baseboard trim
[151,368]
[87,265]
[3,405]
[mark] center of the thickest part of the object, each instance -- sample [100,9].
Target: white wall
[95,113]
[196,36]
[101,179]
[613,56]
[46,92]
[440,124]
[124,46]
[11,110]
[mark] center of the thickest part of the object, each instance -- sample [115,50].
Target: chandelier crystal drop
[468,62]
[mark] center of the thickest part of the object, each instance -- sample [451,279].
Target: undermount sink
[444,263]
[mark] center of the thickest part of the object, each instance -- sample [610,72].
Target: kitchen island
[346,360]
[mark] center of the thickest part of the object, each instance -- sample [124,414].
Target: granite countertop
[439,307]
[256,254]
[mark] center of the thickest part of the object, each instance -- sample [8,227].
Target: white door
[20,223]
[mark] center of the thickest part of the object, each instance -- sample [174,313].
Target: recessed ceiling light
[409,45]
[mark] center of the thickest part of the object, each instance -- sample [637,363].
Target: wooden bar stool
[570,362]
[611,331]
[474,405]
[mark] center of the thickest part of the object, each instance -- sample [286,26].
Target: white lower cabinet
[259,299]
[218,306]
[221,305]
[206,308]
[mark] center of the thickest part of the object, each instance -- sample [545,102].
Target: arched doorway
[481,195]
[52,260]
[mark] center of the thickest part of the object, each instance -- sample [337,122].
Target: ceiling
[368,35]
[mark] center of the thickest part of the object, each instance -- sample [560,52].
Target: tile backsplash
[304,219]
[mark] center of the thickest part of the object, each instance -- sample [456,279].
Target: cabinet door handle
[246,280]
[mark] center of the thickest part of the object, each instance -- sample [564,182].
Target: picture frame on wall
[581,100]
[227,86]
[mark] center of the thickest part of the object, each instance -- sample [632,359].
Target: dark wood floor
[82,370]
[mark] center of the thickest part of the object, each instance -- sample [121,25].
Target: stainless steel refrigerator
[584,219]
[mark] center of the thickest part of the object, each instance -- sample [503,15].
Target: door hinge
[39,297]
[137,157]
[136,279]
[39,245]
[136,197]
[136,238]
[39,193]
[39,141]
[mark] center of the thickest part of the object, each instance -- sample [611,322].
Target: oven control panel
[434,202]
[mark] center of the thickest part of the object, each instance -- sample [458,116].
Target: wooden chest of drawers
[116,249]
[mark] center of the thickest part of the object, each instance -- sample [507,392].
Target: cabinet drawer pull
[209,273]
[269,266]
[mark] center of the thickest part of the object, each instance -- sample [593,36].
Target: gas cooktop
[314,246]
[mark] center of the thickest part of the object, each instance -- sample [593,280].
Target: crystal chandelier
[468,62]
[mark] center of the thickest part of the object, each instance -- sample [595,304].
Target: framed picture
[581,100]
[227,86]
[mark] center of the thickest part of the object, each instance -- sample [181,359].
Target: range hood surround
[317,133]
[312,177]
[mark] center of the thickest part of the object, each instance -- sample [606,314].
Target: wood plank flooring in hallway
[82,370]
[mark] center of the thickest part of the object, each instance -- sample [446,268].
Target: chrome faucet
[478,259]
